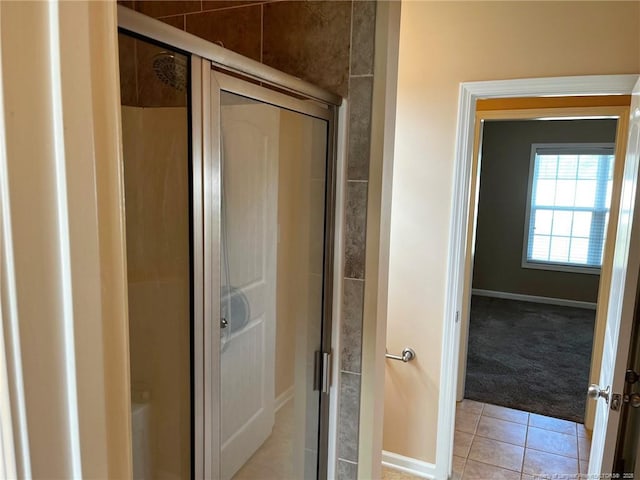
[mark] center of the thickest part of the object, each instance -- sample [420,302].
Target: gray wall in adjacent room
[506,155]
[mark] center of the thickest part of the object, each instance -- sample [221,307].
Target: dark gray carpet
[530,356]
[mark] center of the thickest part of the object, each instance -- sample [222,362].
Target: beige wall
[441,45]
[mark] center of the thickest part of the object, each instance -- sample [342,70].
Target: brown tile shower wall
[331,44]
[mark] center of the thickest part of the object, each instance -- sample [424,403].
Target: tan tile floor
[274,459]
[498,443]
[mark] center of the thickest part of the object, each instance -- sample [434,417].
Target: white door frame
[469,93]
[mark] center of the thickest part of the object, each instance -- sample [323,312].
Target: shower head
[171,69]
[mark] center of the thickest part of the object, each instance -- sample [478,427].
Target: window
[568,206]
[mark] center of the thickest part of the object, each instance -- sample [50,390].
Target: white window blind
[568,206]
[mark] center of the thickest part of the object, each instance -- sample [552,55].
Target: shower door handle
[321,372]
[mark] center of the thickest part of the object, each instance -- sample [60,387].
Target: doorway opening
[543,206]
[539,261]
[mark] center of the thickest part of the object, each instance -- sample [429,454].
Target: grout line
[578,447]
[232,7]
[473,439]
[262,33]
[553,431]
[362,75]
[464,467]
[350,42]
[356,279]
[552,453]
[503,441]
[357,181]
[505,420]
[136,69]
[347,461]
[183,15]
[495,466]
[350,372]
[528,424]
[524,452]
[465,459]
[174,15]
[351,278]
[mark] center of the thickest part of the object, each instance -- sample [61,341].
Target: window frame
[606,148]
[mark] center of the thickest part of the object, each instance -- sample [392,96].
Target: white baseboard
[408,465]
[533,298]
[283,398]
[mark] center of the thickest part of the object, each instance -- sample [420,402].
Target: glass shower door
[273,164]
[229,196]
[157,181]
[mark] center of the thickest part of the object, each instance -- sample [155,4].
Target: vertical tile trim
[346,470]
[355,229]
[350,46]
[135,68]
[351,325]
[349,416]
[363,41]
[261,32]
[359,157]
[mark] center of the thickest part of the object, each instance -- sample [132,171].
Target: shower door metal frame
[228,60]
[220,82]
[200,150]
[297,95]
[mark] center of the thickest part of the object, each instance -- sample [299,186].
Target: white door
[250,137]
[620,314]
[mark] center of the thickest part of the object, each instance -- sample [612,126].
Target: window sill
[560,267]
